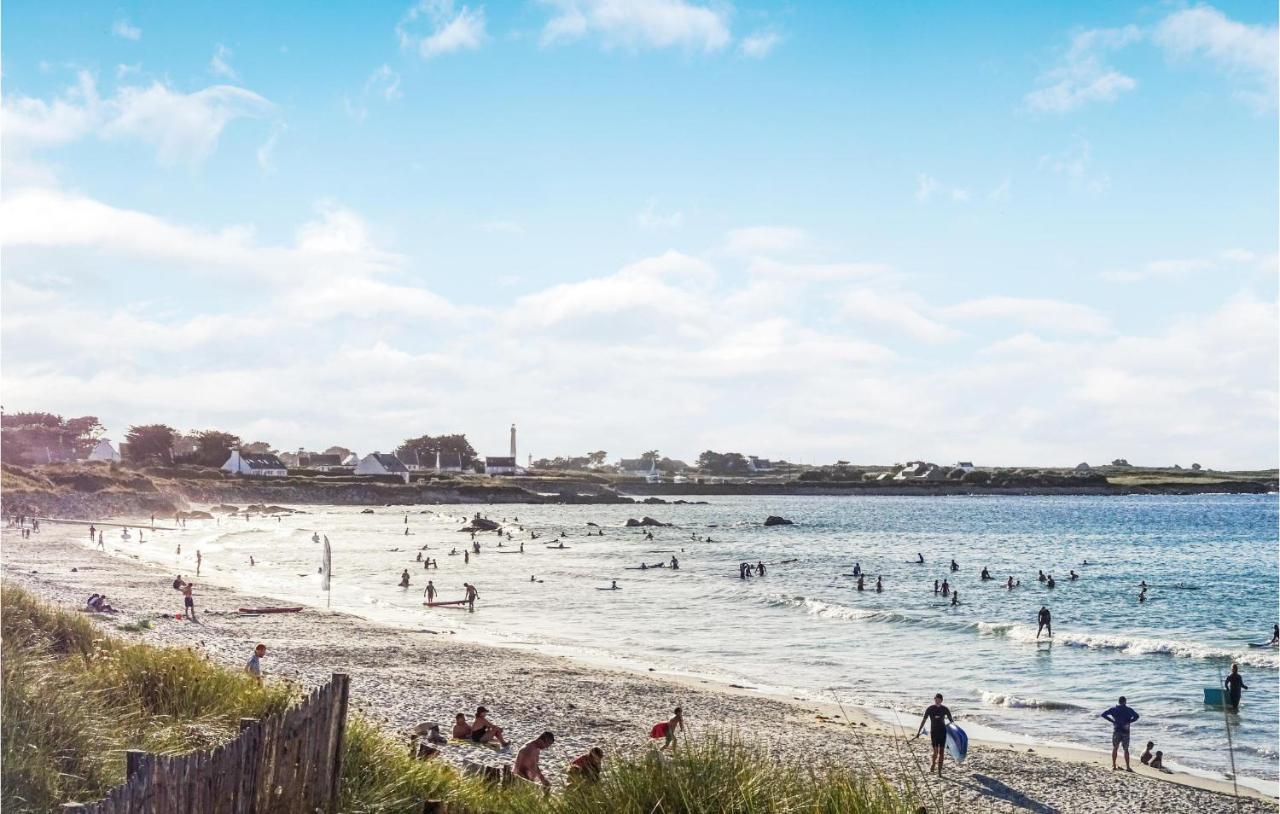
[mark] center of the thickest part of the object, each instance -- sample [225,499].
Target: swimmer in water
[955,598]
[919,558]
[879,585]
[1009,584]
[860,583]
[985,573]
[1049,583]
[404,579]
[1041,577]
[955,566]
[1074,576]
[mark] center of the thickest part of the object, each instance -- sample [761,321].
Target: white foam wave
[1144,646]
[1014,702]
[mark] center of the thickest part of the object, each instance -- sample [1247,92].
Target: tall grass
[73,699]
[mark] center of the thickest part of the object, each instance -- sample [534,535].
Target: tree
[651,455]
[257,448]
[341,452]
[213,447]
[425,447]
[597,458]
[150,443]
[44,437]
[728,463]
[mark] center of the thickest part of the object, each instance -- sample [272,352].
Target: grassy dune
[74,699]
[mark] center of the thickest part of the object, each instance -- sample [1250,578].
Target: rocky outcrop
[647,521]
[480,524]
[774,520]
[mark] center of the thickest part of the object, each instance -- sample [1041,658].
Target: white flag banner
[328,564]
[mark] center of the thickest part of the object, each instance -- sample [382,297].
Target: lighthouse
[513,442]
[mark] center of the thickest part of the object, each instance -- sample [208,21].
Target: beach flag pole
[1231,750]
[328,568]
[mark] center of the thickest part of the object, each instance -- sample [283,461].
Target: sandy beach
[404,677]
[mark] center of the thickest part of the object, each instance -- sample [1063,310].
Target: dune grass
[74,699]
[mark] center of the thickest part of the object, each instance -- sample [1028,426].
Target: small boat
[271,610]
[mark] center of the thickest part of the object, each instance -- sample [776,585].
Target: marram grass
[73,699]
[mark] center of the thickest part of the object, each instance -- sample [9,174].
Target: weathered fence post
[245,723]
[341,684]
[133,761]
[72,807]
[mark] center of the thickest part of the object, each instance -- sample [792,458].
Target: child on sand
[1146,755]
[667,729]
[254,667]
[587,767]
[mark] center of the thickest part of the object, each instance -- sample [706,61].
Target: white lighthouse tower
[513,442]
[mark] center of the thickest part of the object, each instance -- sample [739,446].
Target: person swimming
[946,588]
[1049,583]
[955,598]
[955,566]
[985,573]
[1042,576]
[861,584]
[1074,576]
[919,558]
[879,585]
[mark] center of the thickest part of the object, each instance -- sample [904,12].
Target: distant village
[44,438]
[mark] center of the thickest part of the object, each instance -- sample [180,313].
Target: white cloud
[765,240]
[508,227]
[926,186]
[759,45]
[1044,314]
[1176,268]
[266,152]
[183,127]
[122,29]
[767,267]
[1076,164]
[219,63]
[448,29]
[384,82]
[651,218]
[1250,51]
[637,24]
[1083,75]
[866,306]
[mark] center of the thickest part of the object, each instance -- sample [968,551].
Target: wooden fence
[290,763]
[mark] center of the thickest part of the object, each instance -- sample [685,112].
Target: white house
[381,463]
[759,465]
[448,461]
[104,452]
[502,465]
[352,460]
[646,468]
[255,464]
[967,466]
[322,462]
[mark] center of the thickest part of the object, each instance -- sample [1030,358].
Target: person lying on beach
[526,765]
[1146,755]
[667,729]
[586,767]
[484,731]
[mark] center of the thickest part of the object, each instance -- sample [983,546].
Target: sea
[803,630]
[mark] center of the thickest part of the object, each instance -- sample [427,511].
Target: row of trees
[36,438]
[424,448]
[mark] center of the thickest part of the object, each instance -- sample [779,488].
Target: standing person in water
[937,716]
[955,598]
[879,585]
[430,591]
[1275,635]
[1235,683]
[1121,717]
[1046,621]
[472,595]
[861,583]
[404,578]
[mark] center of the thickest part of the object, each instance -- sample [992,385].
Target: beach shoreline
[591,703]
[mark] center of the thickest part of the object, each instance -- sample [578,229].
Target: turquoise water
[1210,562]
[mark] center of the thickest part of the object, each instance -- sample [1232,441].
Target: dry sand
[404,677]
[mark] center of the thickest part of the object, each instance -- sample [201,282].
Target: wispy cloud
[1247,51]
[1083,75]
[384,82]
[123,30]
[220,62]
[266,152]
[448,29]
[1076,164]
[651,218]
[638,24]
[927,187]
[760,44]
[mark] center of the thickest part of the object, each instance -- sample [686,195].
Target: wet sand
[405,677]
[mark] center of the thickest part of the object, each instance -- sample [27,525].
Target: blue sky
[1014,233]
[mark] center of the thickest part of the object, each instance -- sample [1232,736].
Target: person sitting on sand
[586,767]
[667,729]
[1146,755]
[102,606]
[461,729]
[526,765]
[483,730]
[178,582]
[1157,762]
[92,604]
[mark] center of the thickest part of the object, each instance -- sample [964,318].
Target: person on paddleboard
[1275,635]
[937,717]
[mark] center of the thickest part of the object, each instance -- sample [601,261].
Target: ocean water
[1210,563]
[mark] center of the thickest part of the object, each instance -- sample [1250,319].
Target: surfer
[1142,596]
[404,579]
[860,582]
[1275,635]
[472,595]
[919,558]
[613,585]
[1235,683]
[430,591]
[955,598]
[955,566]
[1009,584]
[675,564]
[857,568]
[1121,717]
[985,573]
[1046,621]
[1074,576]
[937,717]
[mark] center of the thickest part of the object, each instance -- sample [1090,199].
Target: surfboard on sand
[271,610]
[957,743]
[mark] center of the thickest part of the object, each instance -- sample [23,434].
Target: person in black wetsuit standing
[1235,683]
[1046,621]
[937,717]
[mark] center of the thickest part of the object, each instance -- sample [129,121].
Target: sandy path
[406,677]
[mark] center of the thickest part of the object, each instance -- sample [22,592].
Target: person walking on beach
[526,765]
[472,595]
[102,541]
[254,667]
[93,532]
[188,601]
[1235,683]
[1046,621]
[199,560]
[430,592]
[937,716]
[667,729]
[1121,717]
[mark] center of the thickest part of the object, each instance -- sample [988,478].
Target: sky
[1012,233]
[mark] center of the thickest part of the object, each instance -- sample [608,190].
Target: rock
[480,524]
[646,521]
[195,515]
[654,501]
[224,508]
[366,511]
[774,520]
